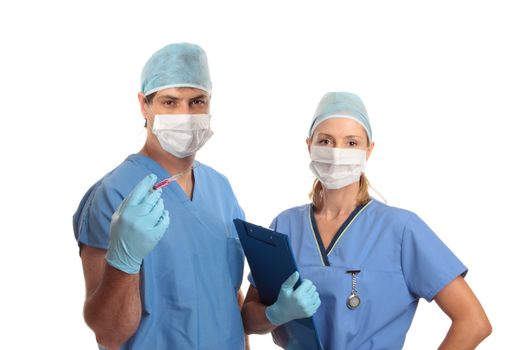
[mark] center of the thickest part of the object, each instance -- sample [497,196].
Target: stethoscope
[353,300]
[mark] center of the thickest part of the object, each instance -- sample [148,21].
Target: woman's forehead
[340,127]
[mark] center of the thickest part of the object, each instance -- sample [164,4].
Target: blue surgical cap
[176,65]
[341,105]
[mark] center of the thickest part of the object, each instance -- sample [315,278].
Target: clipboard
[271,262]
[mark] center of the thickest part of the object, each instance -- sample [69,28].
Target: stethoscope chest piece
[353,301]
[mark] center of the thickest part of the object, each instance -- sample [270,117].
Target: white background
[443,83]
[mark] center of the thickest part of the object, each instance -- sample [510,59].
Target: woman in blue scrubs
[370,263]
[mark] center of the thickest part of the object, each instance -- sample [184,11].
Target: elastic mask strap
[377,192]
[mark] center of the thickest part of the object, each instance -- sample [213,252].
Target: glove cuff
[272,315]
[122,263]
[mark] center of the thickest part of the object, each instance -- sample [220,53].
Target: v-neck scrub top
[189,281]
[400,261]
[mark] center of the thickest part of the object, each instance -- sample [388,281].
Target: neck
[339,202]
[170,163]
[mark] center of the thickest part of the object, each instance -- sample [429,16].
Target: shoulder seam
[409,217]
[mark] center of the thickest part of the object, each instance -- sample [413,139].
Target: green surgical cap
[176,65]
[341,105]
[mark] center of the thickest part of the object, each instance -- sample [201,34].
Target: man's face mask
[182,135]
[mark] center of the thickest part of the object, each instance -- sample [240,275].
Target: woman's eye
[352,143]
[324,142]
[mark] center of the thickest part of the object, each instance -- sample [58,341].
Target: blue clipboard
[271,262]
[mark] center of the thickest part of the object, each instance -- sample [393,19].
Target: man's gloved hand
[137,226]
[294,304]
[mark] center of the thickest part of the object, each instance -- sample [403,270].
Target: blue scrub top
[189,282]
[400,261]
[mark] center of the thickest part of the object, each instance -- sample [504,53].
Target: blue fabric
[341,105]
[176,65]
[400,261]
[189,282]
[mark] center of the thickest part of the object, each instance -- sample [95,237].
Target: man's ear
[143,103]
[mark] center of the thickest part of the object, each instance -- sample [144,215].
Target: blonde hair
[316,194]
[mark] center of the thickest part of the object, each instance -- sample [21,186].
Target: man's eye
[168,103]
[198,102]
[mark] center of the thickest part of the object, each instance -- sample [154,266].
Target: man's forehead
[182,92]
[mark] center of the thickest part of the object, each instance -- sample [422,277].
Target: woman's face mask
[338,150]
[337,167]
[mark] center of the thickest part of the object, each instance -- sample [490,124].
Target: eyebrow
[175,98]
[346,137]
[199,97]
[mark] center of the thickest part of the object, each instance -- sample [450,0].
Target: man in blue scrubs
[163,267]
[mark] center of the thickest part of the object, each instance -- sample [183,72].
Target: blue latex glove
[294,304]
[137,226]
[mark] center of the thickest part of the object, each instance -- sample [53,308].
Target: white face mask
[337,167]
[182,134]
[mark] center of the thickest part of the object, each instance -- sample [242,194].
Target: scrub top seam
[196,189]
[324,252]
[312,223]
[409,285]
[355,215]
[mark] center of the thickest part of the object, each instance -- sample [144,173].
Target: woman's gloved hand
[137,226]
[294,304]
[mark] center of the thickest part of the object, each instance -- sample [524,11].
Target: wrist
[123,262]
[113,274]
[272,315]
